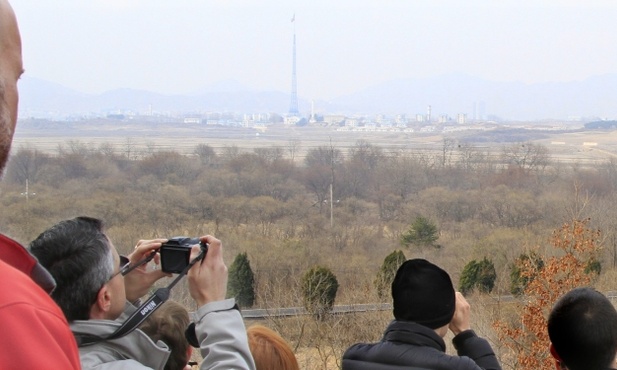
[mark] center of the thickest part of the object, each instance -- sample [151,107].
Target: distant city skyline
[342,46]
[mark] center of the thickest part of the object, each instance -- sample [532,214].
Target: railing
[263,313]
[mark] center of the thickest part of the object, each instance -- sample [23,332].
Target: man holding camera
[97,298]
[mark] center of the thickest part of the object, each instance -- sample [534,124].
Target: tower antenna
[293,106]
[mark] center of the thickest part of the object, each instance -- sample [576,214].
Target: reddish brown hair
[270,350]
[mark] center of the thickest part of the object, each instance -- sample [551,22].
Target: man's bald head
[11,68]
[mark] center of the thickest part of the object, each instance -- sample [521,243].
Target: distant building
[479,111]
[291,120]
[400,119]
[461,118]
[334,119]
[193,120]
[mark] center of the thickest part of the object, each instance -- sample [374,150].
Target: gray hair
[77,253]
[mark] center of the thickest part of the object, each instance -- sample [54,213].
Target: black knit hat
[423,293]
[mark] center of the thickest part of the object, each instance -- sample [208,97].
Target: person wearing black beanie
[425,306]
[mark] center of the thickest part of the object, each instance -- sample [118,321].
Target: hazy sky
[181,46]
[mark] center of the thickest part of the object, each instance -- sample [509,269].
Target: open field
[136,138]
[275,211]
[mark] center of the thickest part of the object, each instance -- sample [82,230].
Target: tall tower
[293,106]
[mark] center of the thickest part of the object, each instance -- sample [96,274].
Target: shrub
[531,263]
[478,275]
[526,334]
[385,276]
[241,283]
[319,287]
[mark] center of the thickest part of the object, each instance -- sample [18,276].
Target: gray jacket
[219,328]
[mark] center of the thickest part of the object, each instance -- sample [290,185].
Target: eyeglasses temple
[141,262]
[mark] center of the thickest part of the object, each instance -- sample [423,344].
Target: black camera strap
[142,312]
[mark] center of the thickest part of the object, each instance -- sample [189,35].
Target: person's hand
[139,281]
[461,320]
[208,278]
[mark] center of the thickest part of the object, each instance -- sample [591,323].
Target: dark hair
[582,327]
[78,255]
[168,324]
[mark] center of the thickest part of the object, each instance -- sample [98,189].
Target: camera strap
[142,312]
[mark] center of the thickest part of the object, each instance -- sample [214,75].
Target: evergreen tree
[385,276]
[422,232]
[532,264]
[241,284]
[593,266]
[319,287]
[478,275]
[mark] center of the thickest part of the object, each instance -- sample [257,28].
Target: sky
[343,46]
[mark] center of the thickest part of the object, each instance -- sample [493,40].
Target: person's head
[11,69]
[582,327]
[423,293]
[86,267]
[270,350]
[168,324]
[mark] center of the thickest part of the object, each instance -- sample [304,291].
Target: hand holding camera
[176,253]
[140,280]
[208,278]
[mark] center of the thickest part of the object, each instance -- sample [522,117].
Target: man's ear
[102,304]
[559,365]
[189,353]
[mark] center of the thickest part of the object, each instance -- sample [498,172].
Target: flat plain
[140,138]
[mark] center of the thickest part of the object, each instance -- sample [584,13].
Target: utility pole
[331,209]
[27,193]
[331,185]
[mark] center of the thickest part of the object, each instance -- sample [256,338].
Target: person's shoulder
[361,350]
[33,326]
[17,287]
[20,292]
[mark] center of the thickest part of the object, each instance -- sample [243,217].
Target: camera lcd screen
[175,259]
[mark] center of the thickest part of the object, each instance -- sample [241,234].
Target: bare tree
[293,147]
[527,156]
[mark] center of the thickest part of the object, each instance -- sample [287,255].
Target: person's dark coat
[411,346]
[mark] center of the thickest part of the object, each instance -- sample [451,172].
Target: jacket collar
[415,334]
[136,345]
[17,256]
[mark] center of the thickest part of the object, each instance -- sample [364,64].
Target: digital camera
[176,253]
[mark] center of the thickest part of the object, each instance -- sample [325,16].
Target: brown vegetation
[523,331]
[345,210]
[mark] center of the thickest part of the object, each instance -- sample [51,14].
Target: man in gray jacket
[96,298]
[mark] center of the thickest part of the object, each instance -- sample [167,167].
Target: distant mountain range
[451,94]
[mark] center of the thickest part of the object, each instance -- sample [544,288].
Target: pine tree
[385,276]
[478,275]
[241,284]
[422,232]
